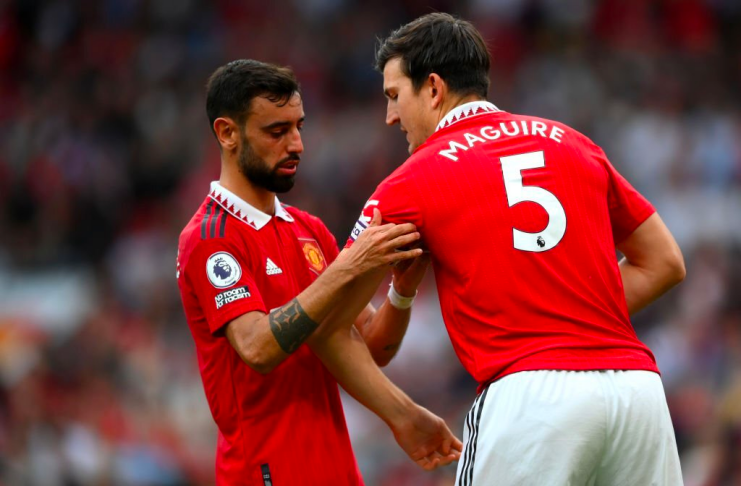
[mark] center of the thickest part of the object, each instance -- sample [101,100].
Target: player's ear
[227,133]
[437,89]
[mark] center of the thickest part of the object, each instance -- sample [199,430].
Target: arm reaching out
[425,438]
[652,265]
[264,341]
[422,435]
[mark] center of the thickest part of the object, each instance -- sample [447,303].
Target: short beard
[259,173]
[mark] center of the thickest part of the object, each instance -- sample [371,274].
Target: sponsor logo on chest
[271,268]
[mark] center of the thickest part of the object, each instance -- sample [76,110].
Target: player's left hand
[409,273]
[427,440]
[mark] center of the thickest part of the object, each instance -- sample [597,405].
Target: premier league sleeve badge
[223,270]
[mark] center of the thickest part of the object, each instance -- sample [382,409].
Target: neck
[236,182]
[454,102]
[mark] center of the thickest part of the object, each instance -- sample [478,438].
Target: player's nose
[295,143]
[392,116]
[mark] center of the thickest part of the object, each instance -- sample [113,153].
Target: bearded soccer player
[522,217]
[271,305]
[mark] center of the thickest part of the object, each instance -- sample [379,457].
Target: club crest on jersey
[223,270]
[313,254]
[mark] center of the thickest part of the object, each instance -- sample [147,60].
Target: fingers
[402,267]
[435,460]
[445,460]
[388,232]
[451,445]
[445,447]
[428,463]
[404,240]
[401,255]
[394,230]
[447,452]
[376,220]
[457,445]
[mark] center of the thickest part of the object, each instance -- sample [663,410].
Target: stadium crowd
[105,151]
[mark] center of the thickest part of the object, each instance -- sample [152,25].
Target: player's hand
[427,440]
[380,245]
[409,273]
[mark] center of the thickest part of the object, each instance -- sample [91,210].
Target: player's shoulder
[570,134]
[559,124]
[212,226]
[190,235]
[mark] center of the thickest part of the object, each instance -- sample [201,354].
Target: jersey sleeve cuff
[639,219]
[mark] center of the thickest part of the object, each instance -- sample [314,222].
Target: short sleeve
[219,274]
[628,208]
[396,201]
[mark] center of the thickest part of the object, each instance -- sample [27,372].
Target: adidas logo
[271,268]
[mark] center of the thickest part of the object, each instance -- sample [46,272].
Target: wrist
[400,413]
[342,271]
[401,300]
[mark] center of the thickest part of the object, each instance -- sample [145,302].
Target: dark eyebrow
[279,124]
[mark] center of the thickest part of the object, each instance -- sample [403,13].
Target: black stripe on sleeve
[214,218]
[222,226]
[204,222]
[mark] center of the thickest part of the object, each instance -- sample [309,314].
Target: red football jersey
[285,427]
[521,216]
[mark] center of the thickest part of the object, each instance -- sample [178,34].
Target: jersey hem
[588,364]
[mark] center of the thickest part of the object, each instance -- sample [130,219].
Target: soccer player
[522,217]
[260,279]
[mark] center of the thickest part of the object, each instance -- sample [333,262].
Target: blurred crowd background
[105,153]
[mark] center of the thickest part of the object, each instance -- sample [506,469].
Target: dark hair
[231,88]
[442,44]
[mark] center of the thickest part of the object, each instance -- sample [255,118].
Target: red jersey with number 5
[521,216]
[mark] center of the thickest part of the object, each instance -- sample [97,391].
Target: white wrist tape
[398,300]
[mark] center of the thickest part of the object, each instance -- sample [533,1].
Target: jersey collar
[466,110]
[242,210]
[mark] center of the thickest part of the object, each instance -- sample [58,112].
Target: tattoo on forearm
[291,326]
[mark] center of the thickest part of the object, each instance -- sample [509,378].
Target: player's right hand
[380,245]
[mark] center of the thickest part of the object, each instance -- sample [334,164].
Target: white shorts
[570,428]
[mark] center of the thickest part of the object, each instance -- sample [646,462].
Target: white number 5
[517,193]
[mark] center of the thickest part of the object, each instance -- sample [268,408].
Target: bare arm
[384,329]
[422,435]
[652,265]
[264,341]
